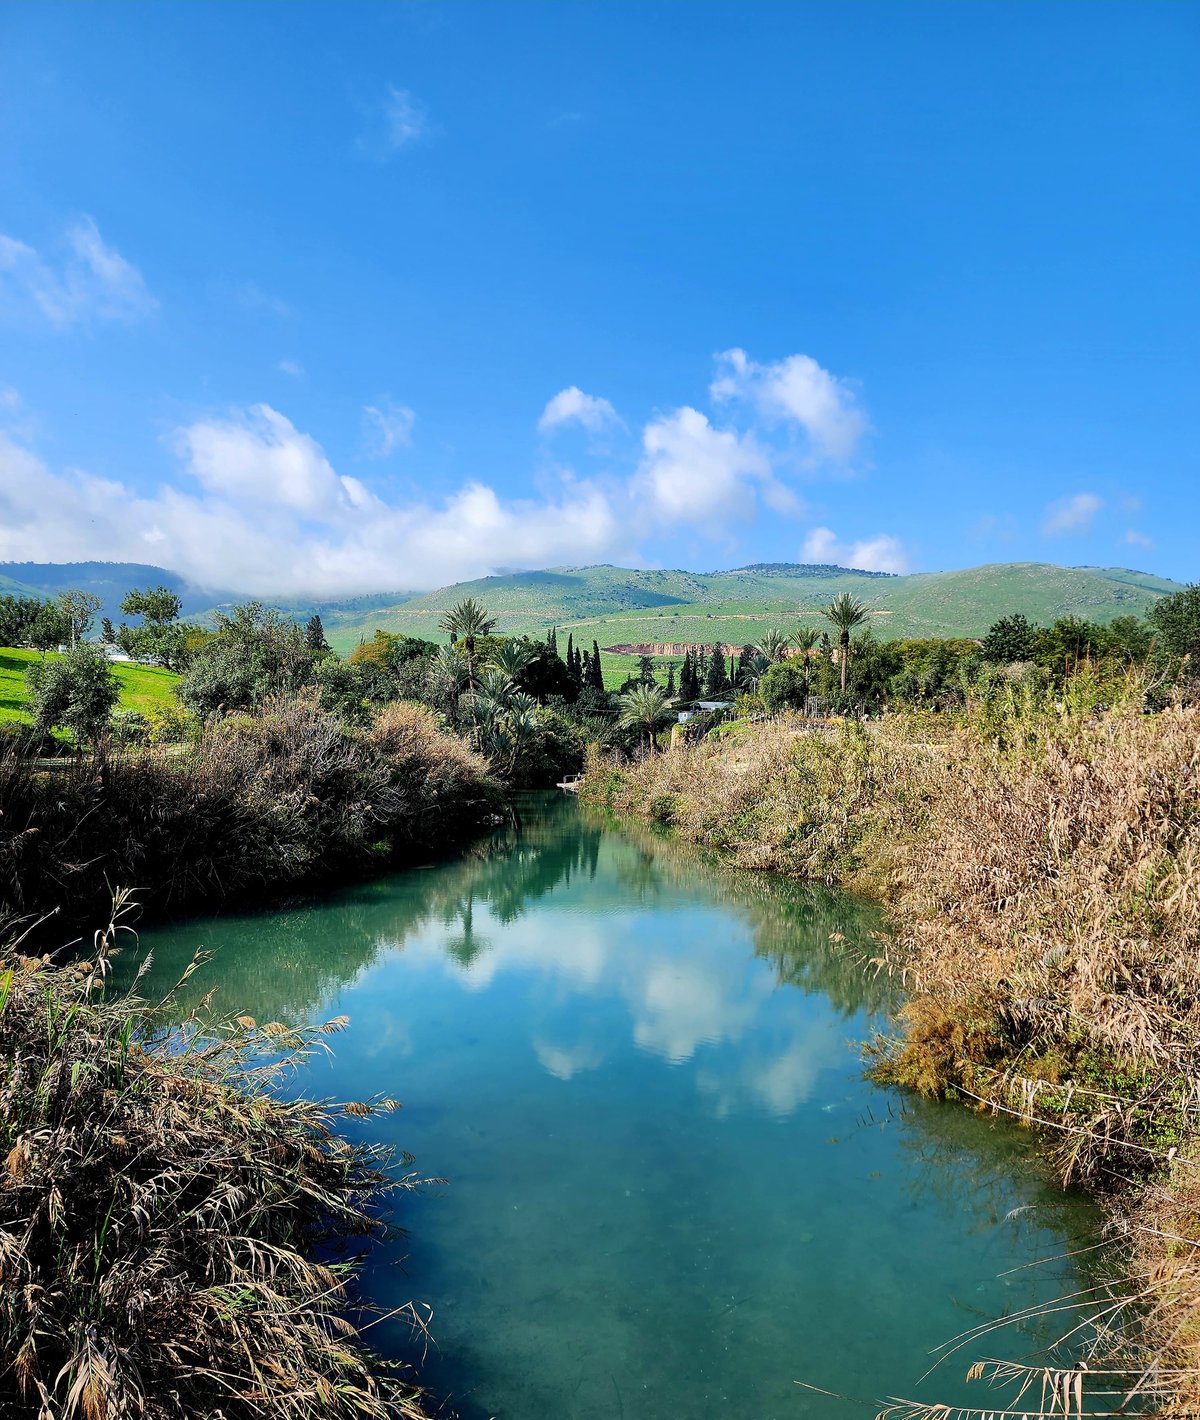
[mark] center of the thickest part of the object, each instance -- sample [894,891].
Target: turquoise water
[670,1191]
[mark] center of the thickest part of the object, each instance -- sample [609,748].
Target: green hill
[619,606]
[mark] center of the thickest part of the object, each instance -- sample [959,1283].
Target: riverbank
[171,1228]
[1042,871]
[261,804]
[173,1232]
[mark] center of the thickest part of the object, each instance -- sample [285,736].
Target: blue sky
[351,297]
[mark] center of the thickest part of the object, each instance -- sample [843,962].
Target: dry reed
[172,1230]
[1042,864]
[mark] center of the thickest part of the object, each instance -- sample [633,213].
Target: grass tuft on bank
[173,1232]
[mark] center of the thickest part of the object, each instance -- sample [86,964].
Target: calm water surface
[671,1193]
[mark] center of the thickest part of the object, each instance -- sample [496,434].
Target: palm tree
[806,638]
[845,612]
[773,645]
[645,708]
[512,657]
[468,619]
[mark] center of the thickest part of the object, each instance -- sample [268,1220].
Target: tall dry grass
[1042,865]
[259,804]
[173,1232]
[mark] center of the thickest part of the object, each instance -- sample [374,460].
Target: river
[671,1193]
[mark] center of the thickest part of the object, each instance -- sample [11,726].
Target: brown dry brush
[164,1212]
[260,803]
[1042,863]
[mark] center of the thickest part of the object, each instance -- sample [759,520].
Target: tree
[468,619]
[671,680]
[1010,639]
[806,639]
[597,680]
[644,708]
[78,609]
[784,687]
[774,644]
[157,606]
[689,681]
[75,692]
[107,634]
[314,636]
[1176,622]
[513,657]
[717,682]
[17,618]
[49,628]
[645,670]
[845,612]
[255,652]
[157,638]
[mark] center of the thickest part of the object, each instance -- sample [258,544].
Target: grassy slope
[142,687]
[616,606]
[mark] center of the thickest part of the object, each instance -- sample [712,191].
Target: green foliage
[644,708]
[18,618]
[784,686]
[76,692]
[1010,639]
[78,610]
[314,636]
[158,639]
[1176,620]
[255,653]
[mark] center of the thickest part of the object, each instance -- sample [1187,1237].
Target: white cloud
[882,553]
[1071,515]
[93,281]
[10,400]
[270,515]
[691,473]
[387,426]
[572,406]
[796,390]
[293,368]
[1138,539]
[407,120]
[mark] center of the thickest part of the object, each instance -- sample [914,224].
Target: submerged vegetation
[172,1231]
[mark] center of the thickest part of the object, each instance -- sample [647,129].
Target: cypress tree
[671,680]
[717,682]
[597,668]
[570,651]
[314,635]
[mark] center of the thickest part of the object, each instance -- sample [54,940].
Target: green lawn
[142,687]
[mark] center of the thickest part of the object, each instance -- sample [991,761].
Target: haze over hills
[624,606]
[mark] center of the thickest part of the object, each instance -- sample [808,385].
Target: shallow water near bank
[671,1191]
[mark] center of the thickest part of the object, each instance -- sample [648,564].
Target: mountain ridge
[627,605]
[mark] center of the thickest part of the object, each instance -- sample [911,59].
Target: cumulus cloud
[692,473]
[267,513]
[572,406]
[1071,515]
[798,391]
[387,427]
[1138,539]
[882,553]
[91,280]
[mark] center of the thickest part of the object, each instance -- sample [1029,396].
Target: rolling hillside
[616,606]
[622,606]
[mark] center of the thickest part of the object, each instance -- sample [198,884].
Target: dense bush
[259,802]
